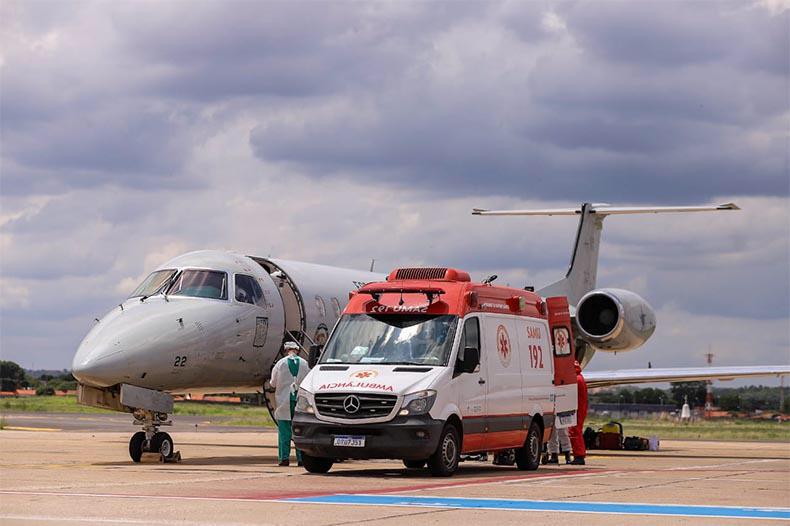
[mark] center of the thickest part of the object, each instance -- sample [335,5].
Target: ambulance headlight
[418,403]
[303,404]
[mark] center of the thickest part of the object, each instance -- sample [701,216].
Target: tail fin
[583,270]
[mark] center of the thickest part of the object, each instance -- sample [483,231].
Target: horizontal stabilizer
[605,210]
[680,374]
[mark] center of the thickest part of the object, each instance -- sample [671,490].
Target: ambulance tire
[414,464]
[316,464]
[528,457]
[444,462]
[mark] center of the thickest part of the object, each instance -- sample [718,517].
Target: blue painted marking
[729,512]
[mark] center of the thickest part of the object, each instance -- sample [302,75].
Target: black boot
[554,459]
[545,459]
[578,461]
[567,457]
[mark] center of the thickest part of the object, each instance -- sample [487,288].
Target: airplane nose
[97,367]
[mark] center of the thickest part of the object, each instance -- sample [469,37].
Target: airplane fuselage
[218,323]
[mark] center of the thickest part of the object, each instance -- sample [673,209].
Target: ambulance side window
[470,338]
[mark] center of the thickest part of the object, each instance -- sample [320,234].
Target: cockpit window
[201,284]
[153,283]
[248,290]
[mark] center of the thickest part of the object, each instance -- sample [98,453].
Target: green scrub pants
[284,438]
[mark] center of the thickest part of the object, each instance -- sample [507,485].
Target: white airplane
[213,321]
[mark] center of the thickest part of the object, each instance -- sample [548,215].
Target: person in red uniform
[576,433]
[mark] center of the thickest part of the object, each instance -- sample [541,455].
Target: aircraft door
[471,387]
[566,393]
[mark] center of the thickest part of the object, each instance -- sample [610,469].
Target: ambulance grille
[370,405]
[421,273]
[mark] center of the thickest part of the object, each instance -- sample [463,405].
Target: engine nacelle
[614,320]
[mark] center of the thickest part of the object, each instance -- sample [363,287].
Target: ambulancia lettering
[399,308]
[495,306]
[353,385]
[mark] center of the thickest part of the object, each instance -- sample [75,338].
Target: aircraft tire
[444,462]
[163,444]
[528,456]
[136,446]
[414,464]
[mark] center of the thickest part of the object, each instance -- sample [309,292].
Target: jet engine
[614,320]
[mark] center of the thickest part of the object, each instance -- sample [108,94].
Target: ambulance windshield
[403,339]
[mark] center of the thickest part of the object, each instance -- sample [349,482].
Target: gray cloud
[340,132]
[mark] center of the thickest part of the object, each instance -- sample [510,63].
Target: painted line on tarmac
[608,508]
[510,479]
[22,428]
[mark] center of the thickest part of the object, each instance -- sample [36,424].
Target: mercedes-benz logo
[351,404]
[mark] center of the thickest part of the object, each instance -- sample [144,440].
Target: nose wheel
[150,439]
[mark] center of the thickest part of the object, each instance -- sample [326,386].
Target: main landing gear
[150,439]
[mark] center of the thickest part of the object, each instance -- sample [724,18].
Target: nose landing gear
[150,439]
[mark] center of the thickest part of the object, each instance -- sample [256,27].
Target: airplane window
[244,293]
[153,283]
[201,284]
[248,290]
[257,292]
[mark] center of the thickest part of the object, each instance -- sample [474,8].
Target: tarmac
[82,474]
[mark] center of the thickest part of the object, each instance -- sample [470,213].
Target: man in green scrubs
[287,374]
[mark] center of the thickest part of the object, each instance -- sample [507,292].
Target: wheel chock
[150,458]
[175,458]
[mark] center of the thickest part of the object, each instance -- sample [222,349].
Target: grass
[243,415]
[219,414]
[719,429]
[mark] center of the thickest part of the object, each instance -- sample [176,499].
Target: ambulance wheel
[414,464]
[444,462]
[528,457]
[163,444]
[136,446]
[316,464]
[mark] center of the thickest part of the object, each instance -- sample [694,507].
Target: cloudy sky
[340,132]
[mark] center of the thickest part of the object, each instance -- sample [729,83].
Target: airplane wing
[680,374]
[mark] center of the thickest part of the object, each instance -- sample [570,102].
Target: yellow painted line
[21,428]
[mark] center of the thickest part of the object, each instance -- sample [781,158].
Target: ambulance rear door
[537,368]
[563,356]
[506,423]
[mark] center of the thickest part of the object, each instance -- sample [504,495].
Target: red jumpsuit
[576,433]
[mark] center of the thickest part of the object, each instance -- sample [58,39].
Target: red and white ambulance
[428,366]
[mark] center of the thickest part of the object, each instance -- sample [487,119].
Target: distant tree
[728,401]
[45,390]
[650,395]
[12,376]
[695,391]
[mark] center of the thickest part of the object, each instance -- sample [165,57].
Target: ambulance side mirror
[471,359]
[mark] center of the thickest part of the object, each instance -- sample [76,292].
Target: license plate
[349,441]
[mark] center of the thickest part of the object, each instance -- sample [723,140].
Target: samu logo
[364,375]
[503,345]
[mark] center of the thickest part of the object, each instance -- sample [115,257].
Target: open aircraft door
[565,401]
